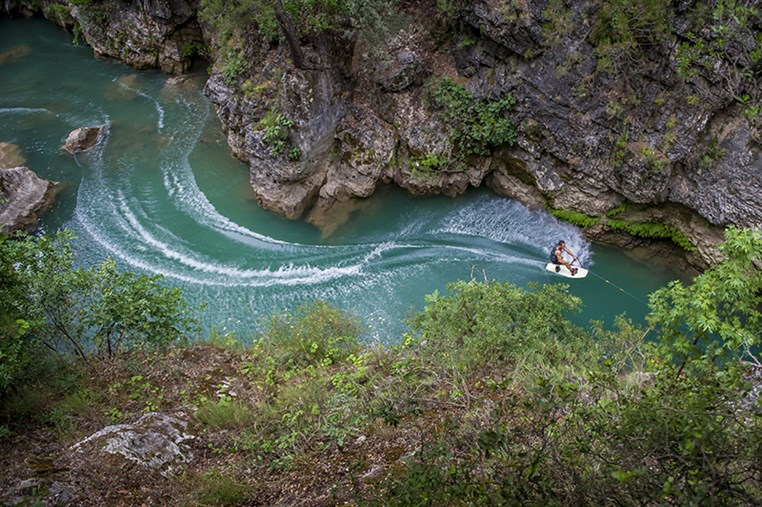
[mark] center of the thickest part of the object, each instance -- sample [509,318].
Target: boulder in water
[23,196]
[15,53]
[83,138]
[11,156]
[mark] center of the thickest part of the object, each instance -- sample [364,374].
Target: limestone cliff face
[667,139]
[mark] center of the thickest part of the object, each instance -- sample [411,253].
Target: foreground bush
[493,398]
[51,306]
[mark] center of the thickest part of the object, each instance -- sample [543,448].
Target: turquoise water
[162,195]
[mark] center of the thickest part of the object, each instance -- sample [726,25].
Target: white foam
[157,105]
[28,110]
[507,221]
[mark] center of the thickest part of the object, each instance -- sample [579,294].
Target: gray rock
[23,197]
[11,155]
[83,138]
[146,35]
[155,442]
[401,71]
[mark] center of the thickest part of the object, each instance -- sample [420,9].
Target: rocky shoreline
[655,155]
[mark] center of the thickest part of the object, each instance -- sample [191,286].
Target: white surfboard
[564,271]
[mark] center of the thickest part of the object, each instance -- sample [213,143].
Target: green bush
[275,134]
[316,333]
[234,64]
[480,326]
[429,163]
[476,126]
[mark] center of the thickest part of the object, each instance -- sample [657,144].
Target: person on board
[557,257]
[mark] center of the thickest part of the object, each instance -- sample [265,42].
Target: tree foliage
[719,315]
[48,301]
[293,19]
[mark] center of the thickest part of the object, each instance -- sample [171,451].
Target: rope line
[620,288]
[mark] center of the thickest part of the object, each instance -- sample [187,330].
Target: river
[162,195]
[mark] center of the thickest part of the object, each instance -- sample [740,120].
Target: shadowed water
[162,195]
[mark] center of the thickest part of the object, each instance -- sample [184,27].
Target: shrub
[234,65]
[317,333]
[624,29]
[476,126]
[481,325]
[276,129]
[712,154]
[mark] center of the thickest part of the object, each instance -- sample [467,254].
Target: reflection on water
[162,195]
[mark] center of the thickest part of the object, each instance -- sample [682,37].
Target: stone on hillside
[83,138]
[154,442]
[57,492]
[23,196]
[11,156]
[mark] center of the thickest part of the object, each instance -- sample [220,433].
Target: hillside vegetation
[493,397]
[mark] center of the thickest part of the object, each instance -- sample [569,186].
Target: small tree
[294,19]
[720,314]
[84,311]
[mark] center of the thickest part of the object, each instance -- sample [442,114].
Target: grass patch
[615,211]
[574,217]
[225,412]
[219,490]
[653,231]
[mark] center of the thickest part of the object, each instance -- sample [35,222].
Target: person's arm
[569,252]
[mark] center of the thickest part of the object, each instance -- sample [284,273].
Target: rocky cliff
[146,34]
[634,123]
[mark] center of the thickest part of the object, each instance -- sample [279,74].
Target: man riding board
[557,257]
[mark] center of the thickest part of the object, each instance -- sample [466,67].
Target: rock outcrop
[83,138]
[155,442]
[147,34]
[23,197]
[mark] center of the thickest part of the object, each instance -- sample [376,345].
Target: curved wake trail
[163,196]
[145,207]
